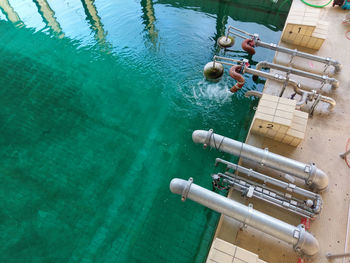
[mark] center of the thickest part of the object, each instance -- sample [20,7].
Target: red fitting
[248,45]
[235,73]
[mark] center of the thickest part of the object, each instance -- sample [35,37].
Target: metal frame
[306,96]
[310,206]
[293,52]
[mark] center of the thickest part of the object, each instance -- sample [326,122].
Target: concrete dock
[326,136]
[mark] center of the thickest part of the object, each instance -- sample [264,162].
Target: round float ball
[212,72]
[225,41]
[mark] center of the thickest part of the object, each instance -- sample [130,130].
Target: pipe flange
[186,189]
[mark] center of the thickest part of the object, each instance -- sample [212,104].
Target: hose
[346,149]
[347,34]
[317,6]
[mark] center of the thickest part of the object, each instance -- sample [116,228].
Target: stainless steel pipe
[303,242]
[312,176]
[305,97]
[267,179]
[324,79]
[294,52]
[328,61]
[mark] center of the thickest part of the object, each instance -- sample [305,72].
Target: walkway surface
[326,135]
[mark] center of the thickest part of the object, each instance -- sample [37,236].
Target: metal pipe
[303,242]
[328,61]
[254,93]
[312,176]
[294,52]
[236,34]
[343,155]
[280,78]
[331,256]
[324,79]
[305,96]
[273,76]
[253,189]
[267,179]
[215,58]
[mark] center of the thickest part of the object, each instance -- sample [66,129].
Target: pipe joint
[307,244]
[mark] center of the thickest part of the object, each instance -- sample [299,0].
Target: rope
[347,34]
[212,135]
[346,149]
[317,6]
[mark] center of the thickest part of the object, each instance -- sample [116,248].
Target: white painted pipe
[312,176]
[303,242]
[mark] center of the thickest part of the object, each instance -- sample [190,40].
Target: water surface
[98,103]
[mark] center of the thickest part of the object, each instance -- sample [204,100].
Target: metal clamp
[298,234]
[207,140]
[295,51]
[186,189]
[328,63]
[247,218]
[311,170]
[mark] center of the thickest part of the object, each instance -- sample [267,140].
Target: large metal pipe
[312,176]
[324,79]
[303,242]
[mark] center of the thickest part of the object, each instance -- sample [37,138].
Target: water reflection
[263,12]
[221,21]
[48,16]
[9,12]
[149,20]
[94,21]
[54,15]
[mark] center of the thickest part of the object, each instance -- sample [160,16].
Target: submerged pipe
[312,176]
[325,79]
[303,242]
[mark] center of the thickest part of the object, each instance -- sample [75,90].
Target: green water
[96,117]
